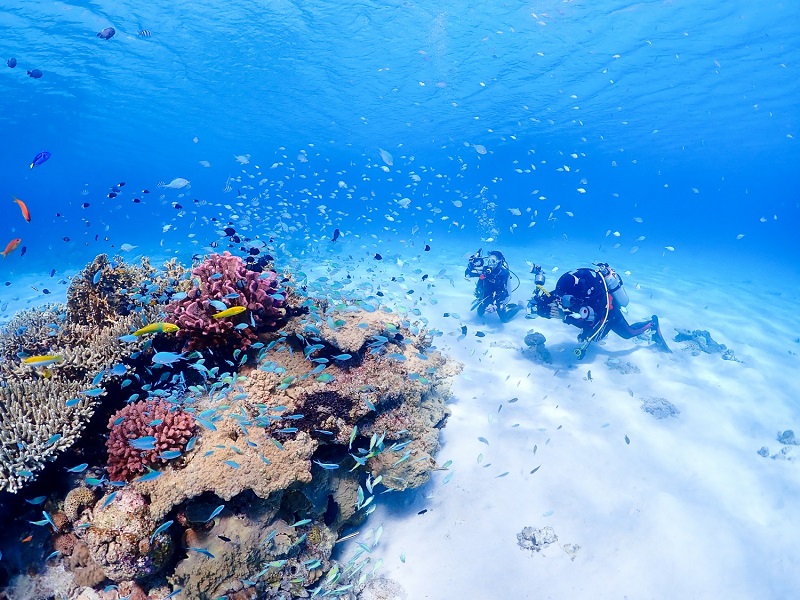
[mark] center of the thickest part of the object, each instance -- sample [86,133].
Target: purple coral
[171,427]
[218,278]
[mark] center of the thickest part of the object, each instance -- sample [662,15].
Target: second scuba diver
[491,289]
[591,299]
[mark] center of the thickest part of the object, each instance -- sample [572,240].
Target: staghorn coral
[121,539]
[219,276]
[85,332]
[36,426]
[35,422]
[173,429]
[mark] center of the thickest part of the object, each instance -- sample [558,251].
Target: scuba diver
[491,289]
[590,299]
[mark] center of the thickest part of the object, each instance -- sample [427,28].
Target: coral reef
[224,463]
[700,340]
[94,297]
[121,537]
[168,425]
[260,447]
[660,408]
[535,349]
[76,500]
[224,279]
[536,540]
[43,410]
[36,426]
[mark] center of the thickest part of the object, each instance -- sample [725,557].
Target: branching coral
[42,411]
[95,297]
[223,278]
[169,426]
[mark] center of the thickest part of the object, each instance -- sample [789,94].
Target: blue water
[678,95]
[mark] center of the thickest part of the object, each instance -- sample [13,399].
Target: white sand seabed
[687,509]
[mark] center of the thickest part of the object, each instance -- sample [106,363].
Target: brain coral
[166,422]
[223,278]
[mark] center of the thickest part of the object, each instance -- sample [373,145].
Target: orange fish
[26,214]
[26,539]
[12,245]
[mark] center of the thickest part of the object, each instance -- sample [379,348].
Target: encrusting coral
[122,539]
[224,280]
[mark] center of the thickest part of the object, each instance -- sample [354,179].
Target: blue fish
[215,512]
[232,463]
[327,466]
[110,499]
[190,444]
[128,338]
[79,468]
[44,154]
[150,475]
[37,500]
[144,443]
[93,393]
[107,33]
[167,358]
[97,277]
[159,529]
[202,551]
[53,439]
[169,454]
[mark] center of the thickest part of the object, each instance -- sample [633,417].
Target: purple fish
[107,33]
[40,158]
[11,62]
[36,74]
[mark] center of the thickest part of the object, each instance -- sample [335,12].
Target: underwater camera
[476,260]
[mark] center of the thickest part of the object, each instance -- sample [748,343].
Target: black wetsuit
[491,288]
[585,288]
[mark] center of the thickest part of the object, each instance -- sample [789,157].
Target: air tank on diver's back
[614,284]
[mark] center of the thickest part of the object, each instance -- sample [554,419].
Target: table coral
[216,280]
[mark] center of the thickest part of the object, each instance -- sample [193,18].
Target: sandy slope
[687,509]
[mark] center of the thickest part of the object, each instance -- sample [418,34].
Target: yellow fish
[43,360]
[157,328]
[229,312]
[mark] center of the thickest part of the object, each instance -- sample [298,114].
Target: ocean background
[659,136]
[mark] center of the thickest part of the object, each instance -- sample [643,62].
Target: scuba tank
[614,284]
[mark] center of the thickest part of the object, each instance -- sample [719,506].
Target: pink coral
[218,278]
[169,425]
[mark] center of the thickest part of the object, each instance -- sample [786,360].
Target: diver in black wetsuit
[591,299]
[491,289]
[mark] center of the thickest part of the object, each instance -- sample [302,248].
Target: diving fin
[658,338]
